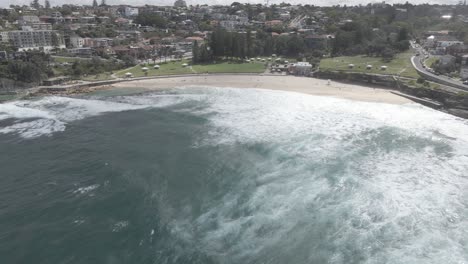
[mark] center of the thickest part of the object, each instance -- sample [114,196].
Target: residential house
[27,20]
[77,42]
[4,38]
[126,34]
[457,50]
[273,23]
[82,52]
[285,16]
[131,11]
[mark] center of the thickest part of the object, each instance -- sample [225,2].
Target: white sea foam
[87,189]
[48,115]
[344,182]
[341,181]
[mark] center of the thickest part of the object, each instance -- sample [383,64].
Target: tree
[47,4]
[55,41]
[195,52]
[95,4]
[35,4]
[149,19]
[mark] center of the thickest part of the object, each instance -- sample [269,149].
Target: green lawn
[400,65]
[170,68]
[230,67]
[174,68]
[413,83]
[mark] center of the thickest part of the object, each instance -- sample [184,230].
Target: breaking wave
[298,178]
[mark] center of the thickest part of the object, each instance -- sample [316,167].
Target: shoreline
[305,85]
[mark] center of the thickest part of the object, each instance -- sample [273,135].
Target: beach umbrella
[383,68]
[156,67]
[184,65]
[144,69]
[351,66]
[369,67]
[128,74]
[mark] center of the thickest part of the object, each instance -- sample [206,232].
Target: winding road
[444,80]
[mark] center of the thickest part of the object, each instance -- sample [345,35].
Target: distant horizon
[6,3]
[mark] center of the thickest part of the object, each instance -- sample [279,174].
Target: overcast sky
[5,3]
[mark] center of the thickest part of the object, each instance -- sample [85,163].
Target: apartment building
[35,39]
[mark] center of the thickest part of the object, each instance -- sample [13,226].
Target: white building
[285,16]
[131,11]
[36,40]
[232,24]
[4,37]
[77,42]
[301,68]
[27,20]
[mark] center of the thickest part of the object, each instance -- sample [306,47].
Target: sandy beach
[286,83]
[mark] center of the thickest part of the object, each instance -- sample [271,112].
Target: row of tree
[240,45]
[35,4]
[32,67]
[93,66]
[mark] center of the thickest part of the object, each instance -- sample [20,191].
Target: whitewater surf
[219,175]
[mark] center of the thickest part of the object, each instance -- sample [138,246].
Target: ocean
[221,175]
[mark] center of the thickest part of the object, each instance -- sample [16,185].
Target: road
[441,79]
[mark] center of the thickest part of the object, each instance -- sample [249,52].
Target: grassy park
[230,67]
[400,65]
[176,67]
[169,68]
